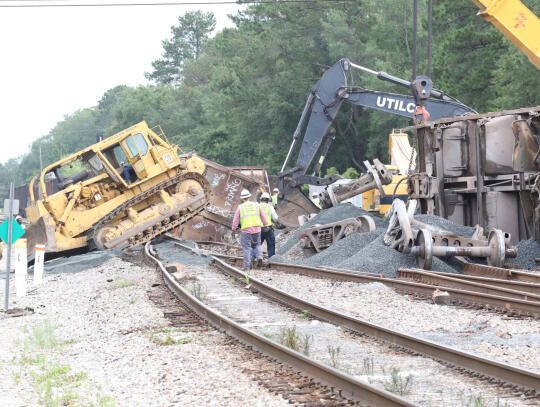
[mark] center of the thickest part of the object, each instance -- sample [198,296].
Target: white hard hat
[265,195]
[245,194]
[275,190]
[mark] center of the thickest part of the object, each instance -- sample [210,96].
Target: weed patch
[398,383]
[167,337]
[122,283]
[334,354]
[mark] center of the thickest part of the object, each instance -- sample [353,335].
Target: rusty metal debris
[319,237]
[214,223]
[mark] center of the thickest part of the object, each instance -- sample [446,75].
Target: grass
[305,313]
[474,400]
[166,337]
[54,383]
[122,283]
[307,340]
[198,290]
[41,337]
[398,383]
[368,366]
[333,353]
[290,338]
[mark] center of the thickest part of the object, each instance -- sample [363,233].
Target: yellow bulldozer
[130,188]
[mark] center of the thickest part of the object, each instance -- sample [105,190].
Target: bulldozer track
[156,230]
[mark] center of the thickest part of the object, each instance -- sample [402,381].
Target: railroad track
[470,295]
[350,390]
[518,380]
[500,273]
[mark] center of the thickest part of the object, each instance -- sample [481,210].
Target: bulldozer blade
[41,232]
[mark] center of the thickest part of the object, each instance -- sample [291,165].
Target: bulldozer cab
[136,148]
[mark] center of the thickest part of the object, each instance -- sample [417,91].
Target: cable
[188,3]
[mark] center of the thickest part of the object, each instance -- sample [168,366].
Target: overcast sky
[54,61]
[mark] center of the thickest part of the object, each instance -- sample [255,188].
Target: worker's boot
[259,263]
[253,263]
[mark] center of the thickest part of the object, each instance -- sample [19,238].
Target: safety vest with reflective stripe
[267,210]
[274,199]
[249,215]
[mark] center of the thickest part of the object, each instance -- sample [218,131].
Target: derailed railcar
[481,169]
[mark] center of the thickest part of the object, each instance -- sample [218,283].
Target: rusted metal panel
[257,173]
[214,224]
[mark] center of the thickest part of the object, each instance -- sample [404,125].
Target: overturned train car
[481,169]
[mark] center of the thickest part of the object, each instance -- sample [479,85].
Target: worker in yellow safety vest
[267,233]
[251,218]
[275,194]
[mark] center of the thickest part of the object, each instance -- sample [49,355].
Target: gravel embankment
[496,336]
[365,252]
[334,214]
[528,250]
[104,342]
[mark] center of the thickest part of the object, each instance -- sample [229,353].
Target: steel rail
[349,386]
[499,272]
[449,280]
[483,367]
[489,301]
[522,286]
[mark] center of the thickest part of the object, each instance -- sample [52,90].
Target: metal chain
[414,148]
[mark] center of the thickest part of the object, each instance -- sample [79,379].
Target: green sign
[16,230]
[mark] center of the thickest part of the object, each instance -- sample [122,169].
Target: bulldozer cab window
[136,145]
[119,156]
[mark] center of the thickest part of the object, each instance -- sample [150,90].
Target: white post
[39,260]
[21,263]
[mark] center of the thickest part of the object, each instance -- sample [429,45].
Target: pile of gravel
[528,250]
[366,252]
[343,249]
[445,224]
[330,215]
[376,257]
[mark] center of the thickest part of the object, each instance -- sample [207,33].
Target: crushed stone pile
[445,224]
[528,250]
[345,248]
[334,214]
[365,252]
[376,257]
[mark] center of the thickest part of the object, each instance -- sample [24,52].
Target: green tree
[331,171]
[186,44]
[351,173]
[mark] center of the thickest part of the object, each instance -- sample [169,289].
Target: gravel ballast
[114,340]
[495,336]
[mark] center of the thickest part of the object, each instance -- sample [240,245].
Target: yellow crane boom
[519,24]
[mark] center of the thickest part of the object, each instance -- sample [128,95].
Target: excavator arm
[516,22]
[315,134]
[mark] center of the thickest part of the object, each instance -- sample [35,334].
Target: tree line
[236,97]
